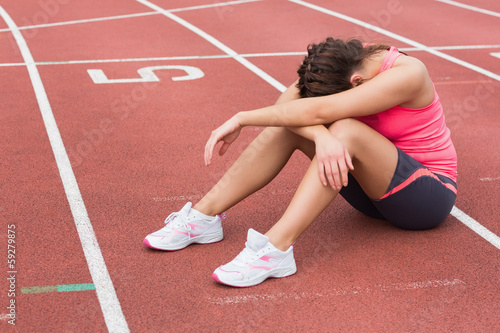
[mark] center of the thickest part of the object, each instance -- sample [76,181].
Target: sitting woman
[370,120]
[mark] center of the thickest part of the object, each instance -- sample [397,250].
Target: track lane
[10,51]
[39,12]
[486,287]
[422,317]
[103,40]
[132,170]
[100,276]
[440,21]
[133,161]
[34,202]
[484,7]
[272,26]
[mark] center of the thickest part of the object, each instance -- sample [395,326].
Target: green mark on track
[58,288]
[32,290]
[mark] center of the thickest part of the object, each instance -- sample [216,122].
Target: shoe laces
[246,256]
[176,220]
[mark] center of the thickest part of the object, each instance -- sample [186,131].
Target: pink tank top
[421,133]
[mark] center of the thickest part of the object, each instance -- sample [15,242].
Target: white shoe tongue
[256,240]
[186,209]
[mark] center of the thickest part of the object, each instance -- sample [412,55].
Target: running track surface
[136,155]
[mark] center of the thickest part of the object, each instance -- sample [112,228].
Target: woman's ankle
[279,242]
[204,209]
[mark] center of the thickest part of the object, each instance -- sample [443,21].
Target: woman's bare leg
[374,158]
[259,163]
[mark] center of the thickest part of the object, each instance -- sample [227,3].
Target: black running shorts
[416,199]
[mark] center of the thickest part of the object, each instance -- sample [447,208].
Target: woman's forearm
[296,113]
[310,132]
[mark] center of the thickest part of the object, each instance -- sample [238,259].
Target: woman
[372,124]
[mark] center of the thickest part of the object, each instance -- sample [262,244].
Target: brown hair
[328,66]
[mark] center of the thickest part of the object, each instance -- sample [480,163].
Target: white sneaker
[258,261]
[185,227]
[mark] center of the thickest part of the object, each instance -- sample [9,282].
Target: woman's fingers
[334,163]
[343,173]
[227,133]
[335,171]
[337,185]
[209,148]
[346,163]
[321,170]
[330,174]
[348,159]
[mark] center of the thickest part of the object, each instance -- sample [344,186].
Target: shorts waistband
[423,172]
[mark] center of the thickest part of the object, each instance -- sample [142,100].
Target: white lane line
[461,216]
[215,56]
[244,55]
[399,37]
[476,227]
[452,47]
[273,54]
[334,292]
[99,19]
[126,16]
[103,61]
[489,179]
[465,82]
[469,7]
[108,300]
[266,77]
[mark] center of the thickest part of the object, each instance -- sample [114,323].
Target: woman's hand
[227,133]
[333,160]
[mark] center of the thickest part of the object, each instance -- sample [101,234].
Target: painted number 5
[147,75]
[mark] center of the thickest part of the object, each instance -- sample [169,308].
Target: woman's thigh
[374,157]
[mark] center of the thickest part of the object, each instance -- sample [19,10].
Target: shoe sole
[275,274]
[205,239]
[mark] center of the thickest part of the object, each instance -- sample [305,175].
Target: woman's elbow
[320,116]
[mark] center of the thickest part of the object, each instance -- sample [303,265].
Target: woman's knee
[281,136]
[343,125]
[276,136]
[346,129]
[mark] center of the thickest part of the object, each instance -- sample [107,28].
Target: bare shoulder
[413,65]
[419,80]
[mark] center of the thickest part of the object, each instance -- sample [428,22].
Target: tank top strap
[389,59]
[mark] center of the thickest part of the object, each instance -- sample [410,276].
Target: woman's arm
[332,157]
[404,84]
[392,87]
[232,127]
[308,132]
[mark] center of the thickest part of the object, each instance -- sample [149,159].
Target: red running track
[136,153]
